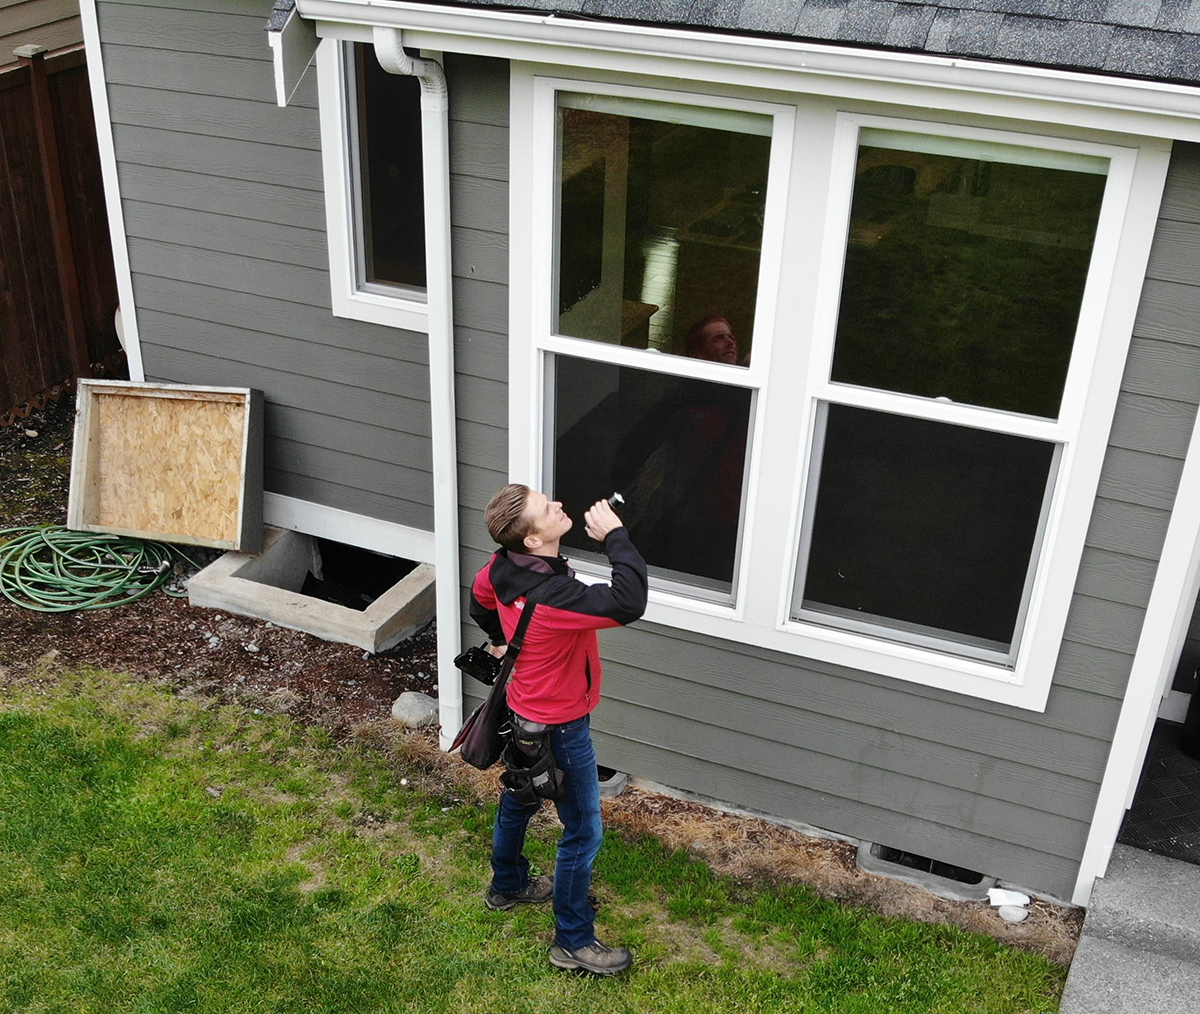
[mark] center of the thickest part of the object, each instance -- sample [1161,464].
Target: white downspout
[435,123]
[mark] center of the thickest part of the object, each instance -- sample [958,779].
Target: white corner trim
[1163,632]
[338,525]
[112,188]
[1141,106]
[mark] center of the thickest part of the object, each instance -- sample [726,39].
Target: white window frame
[811,183]
[401,307]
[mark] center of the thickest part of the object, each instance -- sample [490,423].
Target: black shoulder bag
[483,735]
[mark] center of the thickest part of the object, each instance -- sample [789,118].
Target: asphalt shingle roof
[1156,39]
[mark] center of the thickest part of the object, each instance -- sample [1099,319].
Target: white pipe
[435,147]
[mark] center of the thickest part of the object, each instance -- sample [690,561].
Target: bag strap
[518,638]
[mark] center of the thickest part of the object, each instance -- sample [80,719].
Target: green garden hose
[52,569]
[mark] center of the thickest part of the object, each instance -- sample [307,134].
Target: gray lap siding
[1002,790]
[224,210]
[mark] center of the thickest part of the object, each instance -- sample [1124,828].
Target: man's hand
[498,649]
[600,519]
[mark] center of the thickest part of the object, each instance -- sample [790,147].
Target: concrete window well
[336,592]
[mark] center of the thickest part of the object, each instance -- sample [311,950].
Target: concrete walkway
[1140,948]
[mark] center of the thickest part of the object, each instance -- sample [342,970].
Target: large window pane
[660,217]
[965,270]
[676,450]
[390,195]
[922,528]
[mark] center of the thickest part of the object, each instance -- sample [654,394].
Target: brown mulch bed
[259,665]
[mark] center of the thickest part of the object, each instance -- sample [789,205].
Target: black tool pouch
[530,771]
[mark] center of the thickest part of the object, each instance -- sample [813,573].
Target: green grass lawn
[165,854]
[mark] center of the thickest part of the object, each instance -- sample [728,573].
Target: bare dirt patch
[258,665]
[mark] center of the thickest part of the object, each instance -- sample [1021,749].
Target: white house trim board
[1164,631]
[1065,97]
[348,528]
[819,160]
[112,188]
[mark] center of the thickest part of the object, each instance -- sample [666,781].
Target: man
[556,681]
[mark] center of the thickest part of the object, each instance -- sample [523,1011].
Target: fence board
[33,334]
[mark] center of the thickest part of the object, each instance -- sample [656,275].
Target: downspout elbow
[389,51]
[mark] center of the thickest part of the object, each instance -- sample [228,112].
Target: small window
[386,175]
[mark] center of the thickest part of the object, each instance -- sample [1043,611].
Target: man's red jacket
[557,675]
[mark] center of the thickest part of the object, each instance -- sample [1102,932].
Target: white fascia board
[1091,100]
[112,188]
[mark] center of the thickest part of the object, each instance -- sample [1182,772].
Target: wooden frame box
[168,461]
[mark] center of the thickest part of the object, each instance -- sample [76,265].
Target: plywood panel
[166,462]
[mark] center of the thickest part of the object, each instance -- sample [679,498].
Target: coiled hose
[52,569]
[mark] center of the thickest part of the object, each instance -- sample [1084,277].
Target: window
[854,378]
[658,238]
[964,272]
[374,187]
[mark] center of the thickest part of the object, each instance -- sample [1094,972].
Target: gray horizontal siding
[479,206]
[224,213]
[986,786]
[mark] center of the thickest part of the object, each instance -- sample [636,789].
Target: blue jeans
[582,834]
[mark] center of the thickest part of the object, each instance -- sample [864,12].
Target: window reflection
[924,527]
[659,220]
[676,450]
[965,270]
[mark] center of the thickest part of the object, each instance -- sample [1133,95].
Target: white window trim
[406,309]
[784,421]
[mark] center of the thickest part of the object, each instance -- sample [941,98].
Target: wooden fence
[58,290]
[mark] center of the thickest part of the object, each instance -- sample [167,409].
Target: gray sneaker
[535,892]
[594,958]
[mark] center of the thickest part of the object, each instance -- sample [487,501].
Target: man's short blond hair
[507,518]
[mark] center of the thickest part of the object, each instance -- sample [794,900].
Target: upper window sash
[352,297]
[755,118]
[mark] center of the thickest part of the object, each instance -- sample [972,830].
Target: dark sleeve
[575,605]
[483,606]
